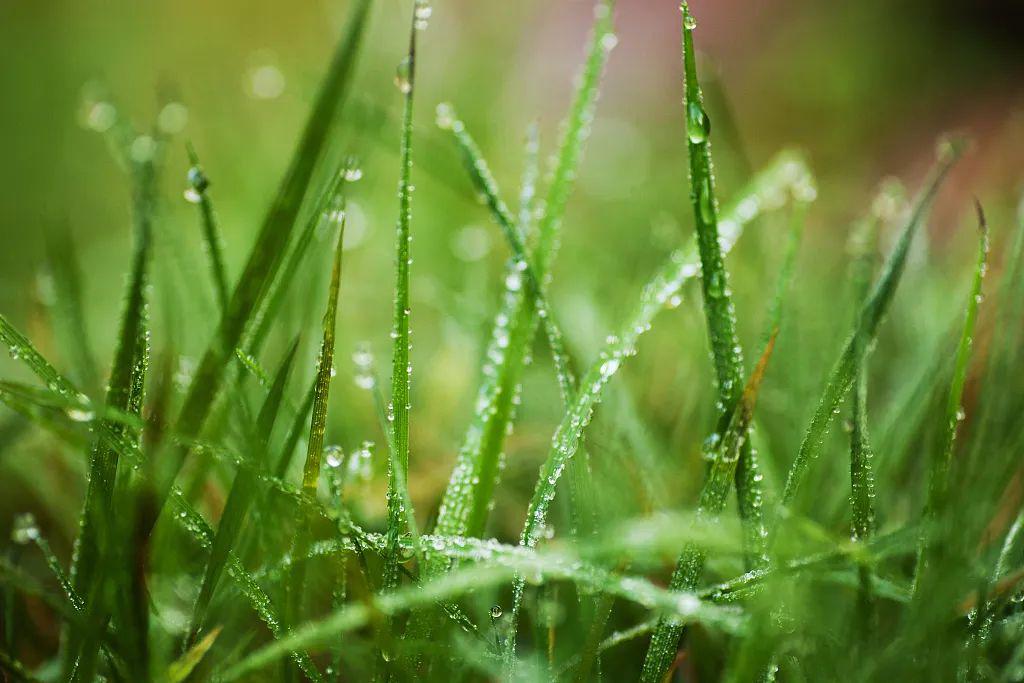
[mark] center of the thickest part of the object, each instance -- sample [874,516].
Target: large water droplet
[698,125]
[402,76]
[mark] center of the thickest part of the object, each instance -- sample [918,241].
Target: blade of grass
[938,476]
[95,544]
[318,427]
[714,494]
[685,606]
[214,243]
[862,473]
[401,366]
[265,257]
[842,375]
[480,173]
[719,310]
[467,499]
[864,245]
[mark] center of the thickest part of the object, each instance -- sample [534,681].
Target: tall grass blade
[938,473]
[726,456]
[842,375]
[401,366]
[97,541]
[522,266]
[318,427]
[467,499]
[266,255]
[196,194]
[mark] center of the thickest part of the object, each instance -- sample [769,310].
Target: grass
[204,550]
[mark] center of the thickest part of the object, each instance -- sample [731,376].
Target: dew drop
[402,77]
[496,612]
[25,530]
[698,125]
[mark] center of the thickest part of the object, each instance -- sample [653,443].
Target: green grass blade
[685,606]
[862,475]
[938,475]
[842,375]
[467,499]
[266,255]
[401,366]
[196,194]
[317,429]
[719,310]
[713,496]
[523,268]
[324,372]
[240,496]
[125,388]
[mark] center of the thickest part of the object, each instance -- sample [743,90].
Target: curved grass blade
[522,268]
[240,496]
[95,543]
[196,194]
[713,497]
[842,375]
[938,475]
[266,256]
[467,499]
[685,606]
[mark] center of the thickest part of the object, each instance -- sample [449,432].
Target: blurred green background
[864,88]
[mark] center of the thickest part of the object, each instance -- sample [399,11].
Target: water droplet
[80,414]
[444,116]
[402,77]
[192,196]
[689,22]
[334,456]
[514,281]
[716,284]
[421,14]
[353,174]
[698,125]
[25,529]
[496,612]
[609,367]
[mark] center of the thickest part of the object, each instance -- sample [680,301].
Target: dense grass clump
[222,536]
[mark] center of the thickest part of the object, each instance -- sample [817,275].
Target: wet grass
[204,550]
